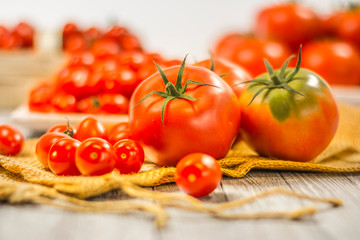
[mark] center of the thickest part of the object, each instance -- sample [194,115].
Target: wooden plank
[339,223]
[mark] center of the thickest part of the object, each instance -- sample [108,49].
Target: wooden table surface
[44,222]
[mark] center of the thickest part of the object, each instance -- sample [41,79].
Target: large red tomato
[231,73]
[181,110]
[290,22]
[348,26]
[338,62]
[289,114]
[249,52]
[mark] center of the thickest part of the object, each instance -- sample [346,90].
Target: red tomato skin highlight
[207,125]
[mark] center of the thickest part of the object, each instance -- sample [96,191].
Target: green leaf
[183,89]
[273,76]
[287,87]
[212,64]
[161,94]
[180,74]
[223,75]
[165,103]
[297,68]
[284,66]
[188,97]
[257,93]
[162,73]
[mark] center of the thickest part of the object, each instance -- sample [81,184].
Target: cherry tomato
[26,32]
[63,128]
[198,174]
[92,34]
[90,127]
[118,132]
[115,32]
[231,73]
[75,43]
[129,156]
[62,102]
[44,144]
[172,124]
[70,29]
[293,117]
[290,22]
[40,97]
[336,61]
[62,157]
[123,81]
[74,81]
[88,105]
[84,58]
[11,41]
[11,140]
[250,52]
[113,103]
[95,156]
[129,42]
[105,47]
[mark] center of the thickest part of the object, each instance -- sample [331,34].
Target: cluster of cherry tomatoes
[99,76]
[330,43]
[90,149]
[21,36]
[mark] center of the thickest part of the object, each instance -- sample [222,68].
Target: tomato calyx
[172,91]
[280,80]
[69,131]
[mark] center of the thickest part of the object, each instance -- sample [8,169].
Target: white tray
[43,121]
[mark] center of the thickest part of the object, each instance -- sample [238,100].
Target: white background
[173,28]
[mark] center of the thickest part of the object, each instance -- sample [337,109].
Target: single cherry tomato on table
[95,156]
[336,61]
[11,140]
[289,114]
[231,73]
[183,109]
[90,127]
[198,174]
[129,156]
[290,22]
[249,53]
[62,157]
[44,144]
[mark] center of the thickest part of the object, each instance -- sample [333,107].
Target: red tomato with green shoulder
[290,22]
[11,140]
[183,109]
[335,60]
[198,174]
[249,53]
[290,114]
[231,73]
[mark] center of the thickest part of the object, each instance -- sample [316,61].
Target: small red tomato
[81,59]
[70,29]
[62,157]
[129,156]
[11,140]
[62,102]
[40,97]
[95,156]
[198,174]
[90,127]
[123,81]
[11,41]
[26,33]
[63,128]
[75,43]
[115,32]
[44,144]
[92,34]
[105,47]
[118,132]
[130,42]
[113,103]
